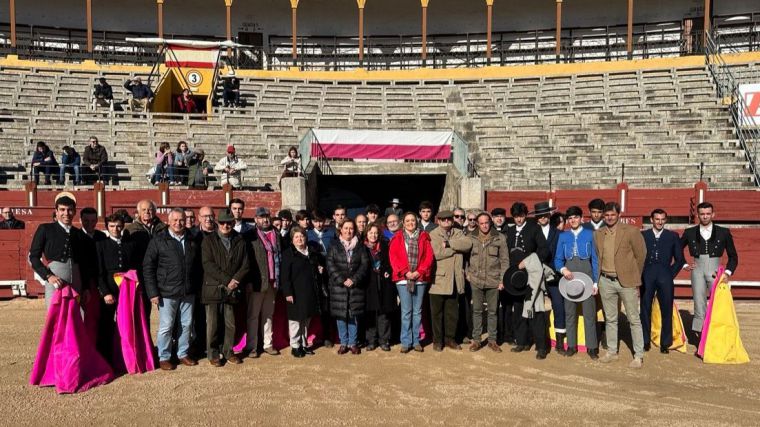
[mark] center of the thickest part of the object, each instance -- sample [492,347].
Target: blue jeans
[347,331]
[167,315]
[411,314]
[163,174]
[62,173]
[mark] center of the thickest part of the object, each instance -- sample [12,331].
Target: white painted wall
[339,17]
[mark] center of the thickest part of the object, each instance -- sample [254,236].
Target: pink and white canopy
[382,145]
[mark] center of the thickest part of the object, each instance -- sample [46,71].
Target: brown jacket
[449,270]
[489,260]
[630,253]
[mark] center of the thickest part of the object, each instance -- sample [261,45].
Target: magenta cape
[133,346]
[66,357]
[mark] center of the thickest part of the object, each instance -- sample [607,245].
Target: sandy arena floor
[451,388]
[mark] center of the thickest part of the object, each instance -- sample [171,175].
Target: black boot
[560,346]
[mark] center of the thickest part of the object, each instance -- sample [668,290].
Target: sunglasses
[226,224]
[472,219]
[459,216]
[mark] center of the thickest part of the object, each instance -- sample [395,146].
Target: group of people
[362,275]
[85,168]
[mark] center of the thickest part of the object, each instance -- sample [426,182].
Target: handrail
[324,165]
[745,127]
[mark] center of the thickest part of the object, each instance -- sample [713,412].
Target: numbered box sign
[194,78]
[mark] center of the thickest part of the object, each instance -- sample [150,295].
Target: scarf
[349,247]
[268,239]
[412,248]
[374,251]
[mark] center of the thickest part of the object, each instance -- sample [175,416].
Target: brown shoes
[215,362]
[235,359]
[418,348]
[453,345]
[187,361]
[474,345]
[493,346]
[355,349]
[166,365]
[342,349]
[437,347]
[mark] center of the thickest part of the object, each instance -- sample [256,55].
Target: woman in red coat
[411,257]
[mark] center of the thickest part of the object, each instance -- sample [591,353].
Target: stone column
[489,28]
[558,42]
[89,25]
[630,29]
[361,4]
[13,23]
[424,4]
[293,191]
[294,28]
[471,193]
[160,6]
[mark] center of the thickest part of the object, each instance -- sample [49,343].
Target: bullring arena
[475,104]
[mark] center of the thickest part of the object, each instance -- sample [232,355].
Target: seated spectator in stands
[231,167]
[102,95]
[164,169]
[231,93]
[186,103]
[9,221]
[291,164]
[43,161]
[94,160]
[142,95]
[181,157]
[70,162]
[198,169]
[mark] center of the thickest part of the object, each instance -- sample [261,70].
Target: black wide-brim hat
[516,282]
[542,208]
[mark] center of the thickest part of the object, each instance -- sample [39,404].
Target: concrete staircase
[578,129]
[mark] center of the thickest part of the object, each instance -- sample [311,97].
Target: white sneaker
[609,357]
[636,363]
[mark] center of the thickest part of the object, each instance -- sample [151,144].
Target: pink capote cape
[66,357]
[133,346]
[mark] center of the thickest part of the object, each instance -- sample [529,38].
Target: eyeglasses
[207,216]
[459,216]
[471,219]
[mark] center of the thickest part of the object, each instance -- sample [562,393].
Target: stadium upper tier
[575,126]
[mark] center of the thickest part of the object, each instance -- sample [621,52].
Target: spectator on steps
[186,103]
[142,95]
[70,162]
[231,93]
[164,166]
[94,160]
[9,221]
[102,95]
[43,161]
[198,169]
[181,158]
[291,164]
[231,167]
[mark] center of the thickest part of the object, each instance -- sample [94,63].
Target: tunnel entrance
[355,192]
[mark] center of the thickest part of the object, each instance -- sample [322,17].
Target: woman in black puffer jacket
[347,265]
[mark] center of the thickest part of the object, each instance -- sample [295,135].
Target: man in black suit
[115,254]
[543,212]
[65,247]
[706,243]
[596,210]
[663,262]
[523,239]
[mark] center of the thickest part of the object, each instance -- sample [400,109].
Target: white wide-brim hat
[578,289]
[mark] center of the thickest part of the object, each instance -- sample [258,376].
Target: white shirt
[596,225]
[114,238]
[518,229]
[657,234]
[576,232]
[67,228]
[545,229]
[706,232]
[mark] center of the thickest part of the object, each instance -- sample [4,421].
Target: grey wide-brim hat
[578,289]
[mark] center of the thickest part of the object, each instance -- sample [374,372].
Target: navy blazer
[668,251]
